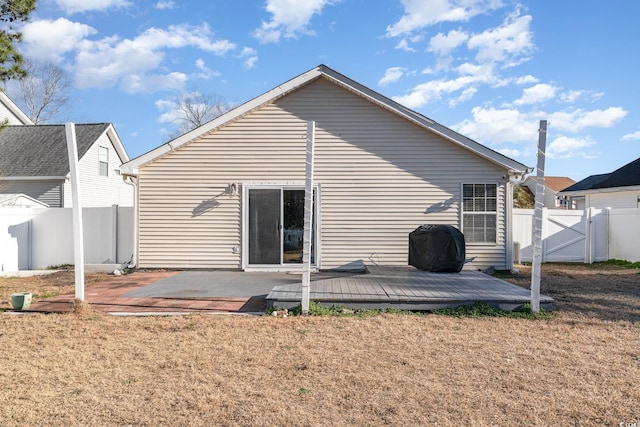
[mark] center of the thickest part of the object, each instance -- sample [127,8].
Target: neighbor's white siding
[380,178]
[616,200]
[97,190]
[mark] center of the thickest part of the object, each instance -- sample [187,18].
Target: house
[34,161]
[552,186]
[230,193]
[10,112]
[618,189]
[20,201]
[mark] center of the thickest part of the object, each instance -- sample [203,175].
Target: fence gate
[566,236]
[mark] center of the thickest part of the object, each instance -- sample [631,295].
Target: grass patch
[60,267]
[617,262]
[480,309]
[317,309]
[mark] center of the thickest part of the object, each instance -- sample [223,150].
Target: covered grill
[437,248]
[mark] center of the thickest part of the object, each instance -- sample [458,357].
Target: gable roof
[626,176]
[322,71]
[41,150]
[20,200]
[555,183]
[17,113]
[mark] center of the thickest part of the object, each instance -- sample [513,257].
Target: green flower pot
[21,300]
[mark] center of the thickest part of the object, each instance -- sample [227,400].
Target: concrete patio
[403,288]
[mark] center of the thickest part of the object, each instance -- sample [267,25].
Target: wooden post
[308,219]
[537,219]
[78,243]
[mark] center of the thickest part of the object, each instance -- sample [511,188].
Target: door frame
[294,185]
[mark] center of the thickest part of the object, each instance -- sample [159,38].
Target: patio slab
[403,288]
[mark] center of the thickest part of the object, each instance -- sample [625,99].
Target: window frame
[464,212]
[103,163]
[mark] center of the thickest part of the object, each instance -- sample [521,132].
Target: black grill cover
[437,248]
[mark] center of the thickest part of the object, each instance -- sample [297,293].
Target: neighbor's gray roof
[41,150]
[628,175]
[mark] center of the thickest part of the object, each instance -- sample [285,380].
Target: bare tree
[43,92]
[194,109]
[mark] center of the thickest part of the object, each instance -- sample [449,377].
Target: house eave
[598,191]
[32,178]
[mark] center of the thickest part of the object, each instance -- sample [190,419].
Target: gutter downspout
[514,178]
[132,181]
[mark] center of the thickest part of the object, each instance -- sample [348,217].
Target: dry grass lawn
[581,367]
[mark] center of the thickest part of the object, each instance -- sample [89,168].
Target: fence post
[545,232]
[114,233]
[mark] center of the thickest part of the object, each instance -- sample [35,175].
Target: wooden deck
[406,288]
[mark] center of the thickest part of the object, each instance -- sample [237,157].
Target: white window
[103,161]
[480,213]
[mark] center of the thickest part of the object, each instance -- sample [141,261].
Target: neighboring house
[11,112]
[552,186]
[230,193]
[618,189]
[20,201]
[34,161]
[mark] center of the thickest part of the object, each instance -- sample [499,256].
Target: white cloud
[536,94]
[250,57]
[571,96]
[50,40]
[466,95]
[564,147]
[419,14]
[510,152]
[391,75]
[443,44]
[165,4]
[170,112]
[150,83]
[525,80]
[205,73]
[106,62]
[492,126]
[288,18]
[632,136]
[75,6]
[578,120]
[504,43]
[403,44]
[470,75]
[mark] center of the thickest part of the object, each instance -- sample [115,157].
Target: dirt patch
[600,291]
[581,367]
[45,286]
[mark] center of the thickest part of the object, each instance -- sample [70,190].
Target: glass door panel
[265,242]
[293,208]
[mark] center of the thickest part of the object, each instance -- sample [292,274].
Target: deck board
[408,288]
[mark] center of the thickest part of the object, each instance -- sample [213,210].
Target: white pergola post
[537,219]
[78,244]
[308,219]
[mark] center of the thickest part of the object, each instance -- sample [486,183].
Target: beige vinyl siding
[96,190]
[380,177]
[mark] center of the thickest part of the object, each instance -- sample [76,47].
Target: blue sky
[490,69]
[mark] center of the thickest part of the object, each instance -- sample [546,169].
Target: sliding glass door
[276,226]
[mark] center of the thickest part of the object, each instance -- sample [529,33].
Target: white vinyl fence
[579,235]
[35,238]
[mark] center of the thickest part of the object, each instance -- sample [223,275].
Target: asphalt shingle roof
[626,176]
[41,150]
